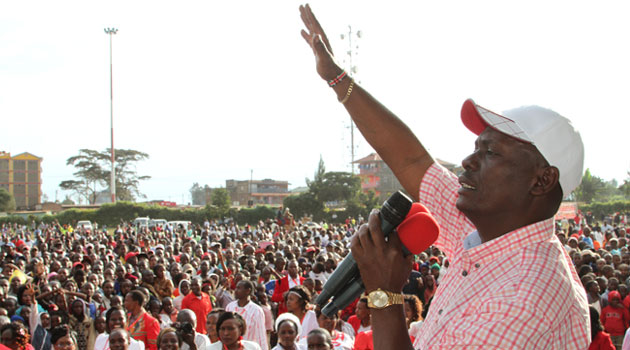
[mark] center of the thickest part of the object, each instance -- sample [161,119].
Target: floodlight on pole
[112,178]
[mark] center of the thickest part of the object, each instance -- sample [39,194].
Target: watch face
[379,298]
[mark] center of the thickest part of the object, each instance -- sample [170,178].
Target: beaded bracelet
[338,79]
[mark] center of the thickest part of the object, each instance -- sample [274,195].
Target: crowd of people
[225,286]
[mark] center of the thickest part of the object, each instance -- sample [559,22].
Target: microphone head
[396,208]
[417,208]
[418,232]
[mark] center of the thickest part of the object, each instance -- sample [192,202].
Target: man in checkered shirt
[510,284]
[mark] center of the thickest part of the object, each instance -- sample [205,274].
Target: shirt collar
[514,240]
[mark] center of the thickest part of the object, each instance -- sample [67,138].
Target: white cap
[291,317]
[552,134]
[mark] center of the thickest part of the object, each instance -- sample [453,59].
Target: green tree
[221,199]
[304,204]
[625,187]
[590,187]
[337,187]
[93,169]
[7,202]
[197,194]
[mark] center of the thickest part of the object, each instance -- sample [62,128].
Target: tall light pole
[352,70]
[112,178]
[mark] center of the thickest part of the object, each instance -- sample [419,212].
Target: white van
[139,223]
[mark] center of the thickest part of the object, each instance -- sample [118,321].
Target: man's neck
[137,312]
[243,302]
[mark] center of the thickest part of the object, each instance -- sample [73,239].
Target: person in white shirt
[231,327]
[253,314]
[186,325]
[288,327]
[115,318]
[297,299]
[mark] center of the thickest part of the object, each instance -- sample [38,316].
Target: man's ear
[547,179]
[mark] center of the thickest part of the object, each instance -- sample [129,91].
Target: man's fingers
[306,37]
[355,242]
[376,234]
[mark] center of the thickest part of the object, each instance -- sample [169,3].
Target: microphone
[392,213]
[345,284]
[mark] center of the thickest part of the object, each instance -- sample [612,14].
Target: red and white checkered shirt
[518,291]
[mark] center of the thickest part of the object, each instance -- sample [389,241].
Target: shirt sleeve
[626,341]
[438,192]
[259,329]
[153,329]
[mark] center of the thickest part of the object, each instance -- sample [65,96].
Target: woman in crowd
[15,336]
[163,286]
[361,321]
[115,318]
[62,338]
[340,340]
[297,303]
[600,340]
[39,324]
[211,324]
[184,289]
[430,287]
[413,314]
[168,339]
[82,324]
[288,327]
[231,327]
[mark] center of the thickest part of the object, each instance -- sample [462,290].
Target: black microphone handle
[350,293]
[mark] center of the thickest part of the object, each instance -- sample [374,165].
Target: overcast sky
[214,89]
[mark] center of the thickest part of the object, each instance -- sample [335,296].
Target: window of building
[19,177]
[19,190]
[4,164]
[33,165]
[4,176]
[19,165]
[33,177]
[33,190]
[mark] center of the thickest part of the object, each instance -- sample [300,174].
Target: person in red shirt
[285,283]
[615,318]
[141,326]
[600,339]
[361,321]
[199,302]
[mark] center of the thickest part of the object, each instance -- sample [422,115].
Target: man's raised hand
[318,41]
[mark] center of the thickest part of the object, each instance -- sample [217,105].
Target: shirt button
[464,273]
[477,265]
[439,311]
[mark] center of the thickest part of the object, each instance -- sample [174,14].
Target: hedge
[112,214]
[607,208]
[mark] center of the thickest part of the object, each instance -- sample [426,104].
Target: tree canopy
[93,169]
[7,202]
[332,191]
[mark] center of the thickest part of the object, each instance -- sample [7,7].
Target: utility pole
[112,178]
[352,70]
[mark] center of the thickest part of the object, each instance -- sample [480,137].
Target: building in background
[378,177]
[21,175]
[257,192]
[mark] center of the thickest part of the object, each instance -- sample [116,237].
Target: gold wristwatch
[380,299]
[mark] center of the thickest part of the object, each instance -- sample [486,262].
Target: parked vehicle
[139,223]
[157,223]
[175,225]
[86,225]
